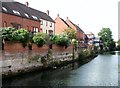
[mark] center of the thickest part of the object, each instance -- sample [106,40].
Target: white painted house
[47,24]
[91,37]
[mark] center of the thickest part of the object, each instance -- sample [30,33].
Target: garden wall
[24,60]
[17,47]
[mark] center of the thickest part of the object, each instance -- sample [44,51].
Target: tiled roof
[65,22]
[25,11]
[77,27]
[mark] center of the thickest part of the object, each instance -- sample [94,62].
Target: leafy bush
[39,39]
[75,43]
[86,53]
[7,33]
[21,35]
[61,40]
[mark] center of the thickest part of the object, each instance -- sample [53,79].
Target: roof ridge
[30,7]
[65,22]
[77,27]
[30,11]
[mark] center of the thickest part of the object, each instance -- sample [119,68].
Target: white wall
[44,27]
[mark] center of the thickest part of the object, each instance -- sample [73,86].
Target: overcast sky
[91,15]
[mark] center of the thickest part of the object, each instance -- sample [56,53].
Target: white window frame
[4,9]
[16,12]
[34,17]
[26,15]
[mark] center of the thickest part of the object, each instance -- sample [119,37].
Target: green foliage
[71,33]
[86,53]
[44,59]
[61,40]
[106,36]
[21,35]
[118,42]
[39,39]
[75,43]
[7,33]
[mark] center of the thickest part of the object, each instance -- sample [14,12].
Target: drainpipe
[54,28]
[22,22]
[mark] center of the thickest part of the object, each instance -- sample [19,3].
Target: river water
[101,71]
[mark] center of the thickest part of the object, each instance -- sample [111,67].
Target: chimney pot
[27,3]
[47,12]
[57,15]
[67,18]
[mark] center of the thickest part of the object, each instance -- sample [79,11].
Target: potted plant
[62,40]
[39,39]
[7,33]
[75,43]
[21,35]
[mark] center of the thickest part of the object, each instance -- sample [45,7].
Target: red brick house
[80,33]
[60,25]
[17,15]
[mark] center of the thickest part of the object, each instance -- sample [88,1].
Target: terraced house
[61,25]
[80,33]
[18,15]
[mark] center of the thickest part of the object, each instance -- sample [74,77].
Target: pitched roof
[25,11]
[65,22]
[77,27]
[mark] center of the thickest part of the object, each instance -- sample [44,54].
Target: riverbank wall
[17,63]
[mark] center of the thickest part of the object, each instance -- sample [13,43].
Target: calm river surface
[101,71]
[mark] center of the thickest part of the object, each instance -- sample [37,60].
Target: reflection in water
[101,71]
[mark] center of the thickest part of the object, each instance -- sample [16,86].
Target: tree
[106,36]
[71,33]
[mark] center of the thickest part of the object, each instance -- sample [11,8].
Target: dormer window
[34,17]
[4,9]
[16,12]
[26,15]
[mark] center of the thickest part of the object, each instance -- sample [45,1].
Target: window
[4,9]
[46,23]
[26,15]
[16,25]
[50,24]
[4,24]
[34,17]
[35,30]
[16,12]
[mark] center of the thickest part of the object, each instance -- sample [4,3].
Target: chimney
[67,18]
[47,12]
[78,25]
[57,15]
[27,3]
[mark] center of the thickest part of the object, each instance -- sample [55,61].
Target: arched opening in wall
[4,24]
[50,32]
[16,25]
